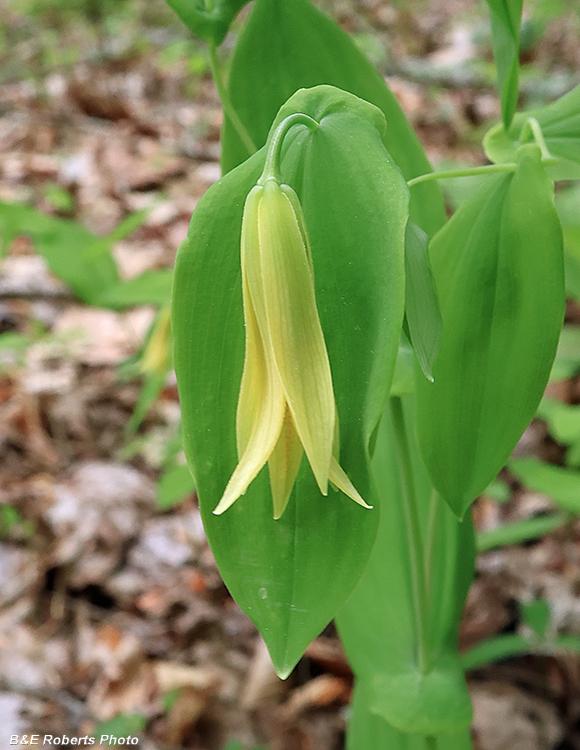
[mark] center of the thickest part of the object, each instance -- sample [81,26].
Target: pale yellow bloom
[286,404]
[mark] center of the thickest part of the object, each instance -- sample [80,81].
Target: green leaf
[520,531]
[150,288]
[567,362]
[174,486]
[421,304]
[369,731]
[121,726]
[285,46]
[568,206]
[560,126]
[378,624]
[499,273]
[506,17]
[563,420]
[79,258]
[561,485]
[291,575]
[495,649]
[211,25]
[536,615]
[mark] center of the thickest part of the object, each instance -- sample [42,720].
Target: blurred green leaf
[505,26]
[150,288]
[174,486]
[536,615]
[121,726]
[59,197]
[567,361]
[559,123]
[80,259]
[560,484]
[517,532]
[498,491]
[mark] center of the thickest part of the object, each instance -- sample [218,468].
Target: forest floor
[113,617]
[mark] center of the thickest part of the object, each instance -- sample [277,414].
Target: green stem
[536,129]
[418,580]
[471,172]
[430,742]
[434,506]
[272,165]
[229,108]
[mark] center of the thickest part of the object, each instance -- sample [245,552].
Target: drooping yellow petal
[284,464]
[255,369]
[262,403]
[294,330]
[340,480]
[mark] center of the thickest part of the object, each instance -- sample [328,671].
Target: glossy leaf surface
[506,17]
[378,623]
[292,574]
[560,126]
[285,46]
[499,272]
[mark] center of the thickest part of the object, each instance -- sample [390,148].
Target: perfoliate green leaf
[211,25]
[369,731]
[505,27]
[421,304]
[559,123]
[291,575]
[378,624]
[499,272]
[285,46]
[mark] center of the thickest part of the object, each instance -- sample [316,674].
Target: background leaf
[560,125]
[285,46]
[79,258]
[558,483]
[506,17]
[499,273]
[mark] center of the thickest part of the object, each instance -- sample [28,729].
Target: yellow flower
[286,404]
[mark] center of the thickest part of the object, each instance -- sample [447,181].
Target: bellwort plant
[331,323]
[286,404]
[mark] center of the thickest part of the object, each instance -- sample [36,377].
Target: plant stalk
[272,164]
[229,108]
[415,538]
[471,172]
